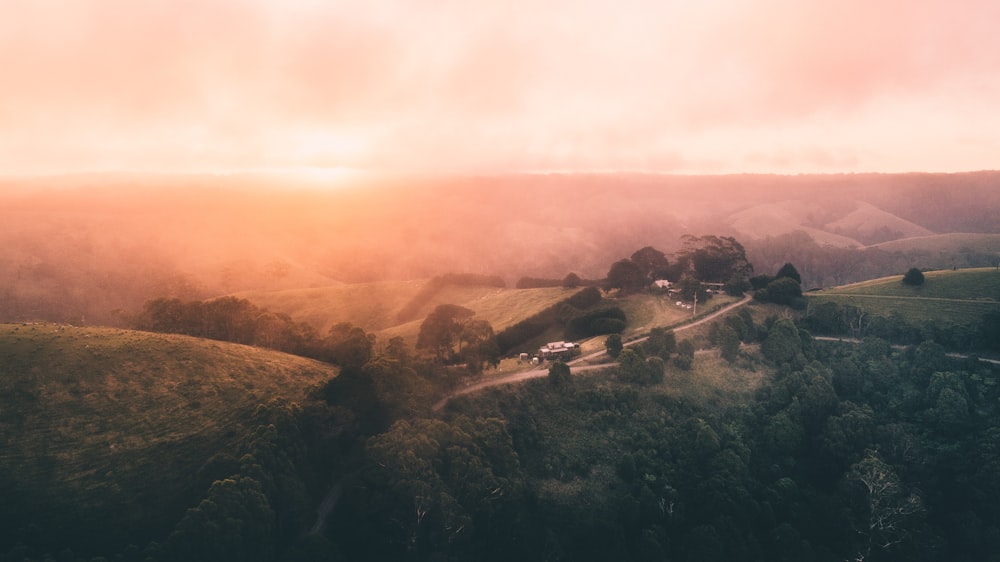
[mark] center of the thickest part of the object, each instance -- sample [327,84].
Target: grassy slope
[867,218]
[116,423]
[952,242]
[647,311]
[374,306]
[957,297]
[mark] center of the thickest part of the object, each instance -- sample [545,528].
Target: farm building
[557,349]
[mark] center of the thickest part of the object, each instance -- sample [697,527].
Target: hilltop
[110,427]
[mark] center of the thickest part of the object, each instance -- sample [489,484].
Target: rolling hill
[955,242]
[374,306]
[111,426]
[958,297]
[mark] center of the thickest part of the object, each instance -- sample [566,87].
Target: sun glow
[328,175]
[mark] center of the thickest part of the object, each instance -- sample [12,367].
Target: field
[958,297]
[952,242]
[112,425]
[647,311]
[372,306]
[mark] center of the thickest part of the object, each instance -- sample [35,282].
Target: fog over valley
[77,249]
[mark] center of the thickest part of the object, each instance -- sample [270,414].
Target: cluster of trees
[555,317]
[709,259]
[571,281]
[251,503]
[452,334]
[227,319]
[844,452]
[833,319]
[637,272]
[258,500]
[240,321]
[603,320]
[717,259]
[784,288]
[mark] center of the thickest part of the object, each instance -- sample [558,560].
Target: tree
[477,344]
[634,367]
[783,290]
[914,277]
[441,330]
[651,262]
[625,276]
[613,345]
[717,258]
[348,345]
[690,288]
[886,503]
[235,522]
[571,281]
[559,375]
[729,343]
[630,365]
[660,343]
[783,344]
[788,270]
[685,355]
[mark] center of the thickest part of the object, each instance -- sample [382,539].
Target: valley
[171,370]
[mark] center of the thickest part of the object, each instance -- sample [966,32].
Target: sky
[499,86]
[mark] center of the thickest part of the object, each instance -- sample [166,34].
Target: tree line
[238,320]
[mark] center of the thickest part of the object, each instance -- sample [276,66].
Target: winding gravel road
[575,364]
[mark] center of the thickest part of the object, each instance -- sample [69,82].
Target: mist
[87,249]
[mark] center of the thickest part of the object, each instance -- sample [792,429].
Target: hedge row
[561,313]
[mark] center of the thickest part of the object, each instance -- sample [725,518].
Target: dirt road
[576,363]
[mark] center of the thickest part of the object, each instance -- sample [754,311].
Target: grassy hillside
[959,297]
[374,306]
[646,311]
[113,425]
[866,220]
[953,242]
[774,219]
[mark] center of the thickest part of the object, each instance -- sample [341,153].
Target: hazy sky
[707,86]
